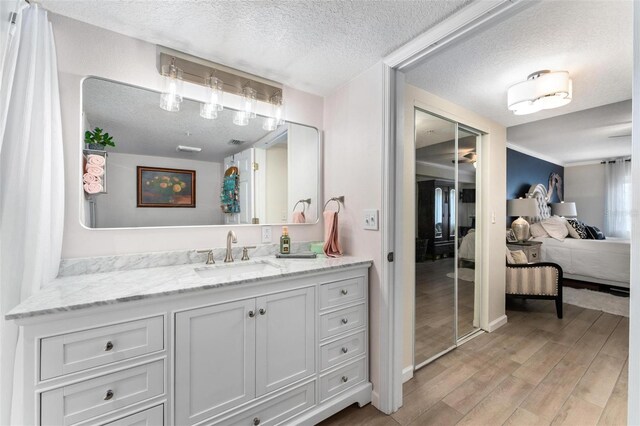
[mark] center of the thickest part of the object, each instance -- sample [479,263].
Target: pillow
[579,228]
[537,230]
[556,227]
[510,260]
[594,233]
[572,232]
[519,257]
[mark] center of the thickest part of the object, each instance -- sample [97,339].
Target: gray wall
[585,185]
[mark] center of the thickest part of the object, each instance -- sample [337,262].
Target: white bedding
[607,260]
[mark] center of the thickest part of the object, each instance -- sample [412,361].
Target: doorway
[447,299]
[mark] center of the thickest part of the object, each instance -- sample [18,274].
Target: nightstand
[530,248]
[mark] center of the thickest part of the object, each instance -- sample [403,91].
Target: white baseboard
[497,323]
[407,373]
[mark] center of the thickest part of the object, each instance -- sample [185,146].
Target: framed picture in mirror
[162,187]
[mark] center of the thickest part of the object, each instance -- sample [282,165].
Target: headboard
[539,193]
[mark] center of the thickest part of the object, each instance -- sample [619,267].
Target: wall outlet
[370,219]
[266,234]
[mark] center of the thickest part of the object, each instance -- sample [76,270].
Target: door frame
[470,19]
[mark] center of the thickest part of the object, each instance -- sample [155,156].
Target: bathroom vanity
[263,342]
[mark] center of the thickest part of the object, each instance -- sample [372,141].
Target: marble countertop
[83,291]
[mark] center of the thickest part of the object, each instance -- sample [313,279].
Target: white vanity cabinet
[231,353]
[283,350]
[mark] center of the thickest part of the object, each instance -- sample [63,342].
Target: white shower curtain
[31,184]
[618,204]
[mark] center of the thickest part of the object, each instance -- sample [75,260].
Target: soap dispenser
[285,241]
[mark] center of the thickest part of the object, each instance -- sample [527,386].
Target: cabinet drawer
[341,379]
[151,417]
[341,350]
[81,401]
[340,321]
[341,292]
[68,353]
[276,410]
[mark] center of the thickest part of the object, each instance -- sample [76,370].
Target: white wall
[85,50]
[586,186]
[303,169]
[353,163]
[118,207]
[276,183]
[490,205]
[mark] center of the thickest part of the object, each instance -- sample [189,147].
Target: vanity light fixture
[248,108]
[213,105]
[171,96]
[541,90]
[277,113]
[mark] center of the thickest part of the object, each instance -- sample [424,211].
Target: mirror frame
[81,215]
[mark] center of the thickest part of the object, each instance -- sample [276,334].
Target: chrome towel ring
[339,200]
[306,201]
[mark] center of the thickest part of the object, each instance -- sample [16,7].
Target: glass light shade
[171,96]
[241,118]
[276,117]
[543,90]
[269,124]
[564,209]
[522,207]
[249,101]
[213,105]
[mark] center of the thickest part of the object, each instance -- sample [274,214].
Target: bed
[597,261]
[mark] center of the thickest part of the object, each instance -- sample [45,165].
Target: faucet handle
[210,260]
[245,252]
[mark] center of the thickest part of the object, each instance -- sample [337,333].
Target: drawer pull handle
[262,311]
[344,292]
[252,314]
[108,395]
[108,346]
[345,350]
[256,421]
[344,320]
[345,379]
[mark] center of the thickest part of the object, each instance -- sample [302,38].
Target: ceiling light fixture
[541,90]
[185,148]
[171,96]
[213,105]
[249,103]
[277,113]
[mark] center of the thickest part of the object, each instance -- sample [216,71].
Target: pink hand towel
[89,178]
[298,217]
[95,160]
[331,246]
[95,170]
[92,188]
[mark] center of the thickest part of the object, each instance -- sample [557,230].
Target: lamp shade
[564,209]
[542,90]
[522,207]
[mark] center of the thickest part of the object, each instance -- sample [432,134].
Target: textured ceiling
[597,133]
[590,39]
[139,126]
[310,45]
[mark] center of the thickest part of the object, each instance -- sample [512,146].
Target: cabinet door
[285,339]
[215,360]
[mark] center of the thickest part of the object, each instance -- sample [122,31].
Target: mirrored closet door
[446,297]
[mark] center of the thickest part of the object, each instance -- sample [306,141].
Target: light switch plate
[370,217]
[266,234]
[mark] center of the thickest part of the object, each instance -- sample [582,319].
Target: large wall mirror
[179,169]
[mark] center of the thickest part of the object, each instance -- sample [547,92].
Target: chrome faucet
[231,238]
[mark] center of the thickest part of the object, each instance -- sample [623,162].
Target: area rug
[596,300]
[464,274]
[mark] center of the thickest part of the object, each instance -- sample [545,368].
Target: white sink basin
[232,270]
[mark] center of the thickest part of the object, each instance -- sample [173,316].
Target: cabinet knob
[344,320]
[108,346]
[108,395]
[345,379]
[256,421]
[344,292]
[345,350]
[262,311]
[252,314]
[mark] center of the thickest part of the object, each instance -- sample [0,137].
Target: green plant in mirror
[98,139]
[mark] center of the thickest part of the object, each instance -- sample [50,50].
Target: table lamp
[521,207]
